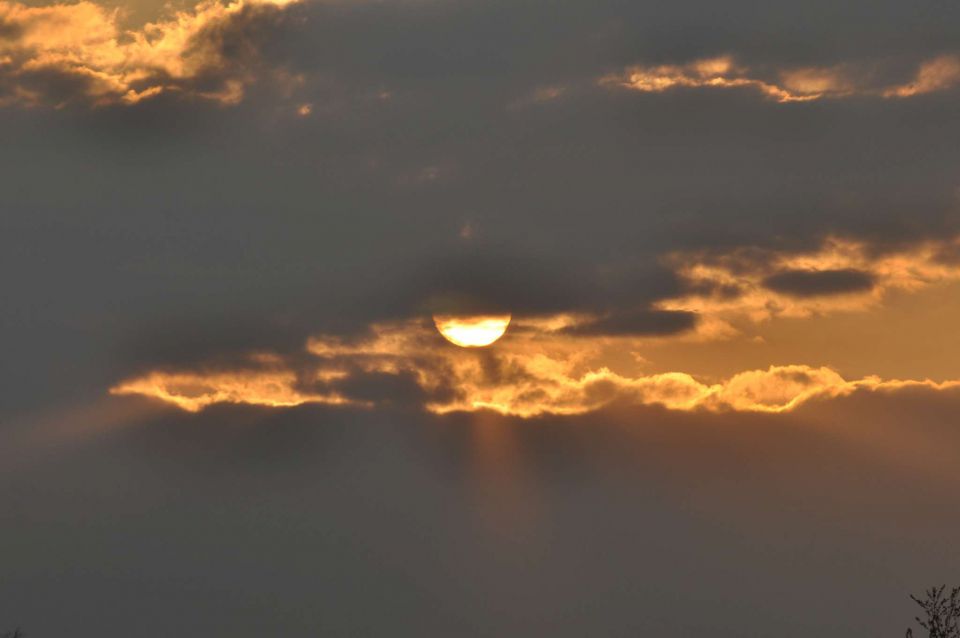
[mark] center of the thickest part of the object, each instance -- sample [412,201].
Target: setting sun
[472,331]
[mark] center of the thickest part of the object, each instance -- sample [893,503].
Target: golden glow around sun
[472,331]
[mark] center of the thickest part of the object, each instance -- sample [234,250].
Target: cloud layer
[61,53]
[533,373]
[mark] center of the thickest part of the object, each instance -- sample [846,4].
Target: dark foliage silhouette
[16,633]
[942,613]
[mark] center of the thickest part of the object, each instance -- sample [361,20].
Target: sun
[472,331]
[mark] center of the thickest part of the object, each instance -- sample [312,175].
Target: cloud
[537,371]
[571,362]
[938,74]
[637,323]
[720,72]
[798,84]
[815,283]
[841,275]
[193,391]
[63,53]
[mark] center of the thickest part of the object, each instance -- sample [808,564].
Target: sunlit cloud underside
[61,53]
[525,384]
[802,84]
[544,365]
[731,290]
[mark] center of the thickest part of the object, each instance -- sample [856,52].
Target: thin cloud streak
[194,391]
[803,84]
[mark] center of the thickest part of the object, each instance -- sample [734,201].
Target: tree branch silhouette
[942,613]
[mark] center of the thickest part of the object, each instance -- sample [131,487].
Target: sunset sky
[455,318]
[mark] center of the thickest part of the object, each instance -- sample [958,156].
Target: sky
[721,242]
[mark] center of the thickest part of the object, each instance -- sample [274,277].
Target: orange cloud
[786,85]
[530,373]
[720,72]
[937,74]
[551,365]
[193,391]
[842,275]
[52,55]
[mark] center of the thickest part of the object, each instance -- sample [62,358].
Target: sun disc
[471,331]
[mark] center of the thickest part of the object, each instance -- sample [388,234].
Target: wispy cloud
[800,84]
[933,75]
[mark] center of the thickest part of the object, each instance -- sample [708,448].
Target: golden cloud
[193,391]
[937,74]
[787,85]
[52,55]
[532,372]
[842,275]
[720,72]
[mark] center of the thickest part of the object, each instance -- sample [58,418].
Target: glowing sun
[471,331]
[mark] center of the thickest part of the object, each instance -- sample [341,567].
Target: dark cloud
[814,283]
[9,30]
[50,84]
[393,390]
[639,323]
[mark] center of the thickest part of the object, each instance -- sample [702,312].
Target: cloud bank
[533,373]
[572,362]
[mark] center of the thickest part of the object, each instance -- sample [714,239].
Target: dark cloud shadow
[639,323]
[814,283]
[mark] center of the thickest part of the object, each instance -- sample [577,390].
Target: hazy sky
[727,235]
